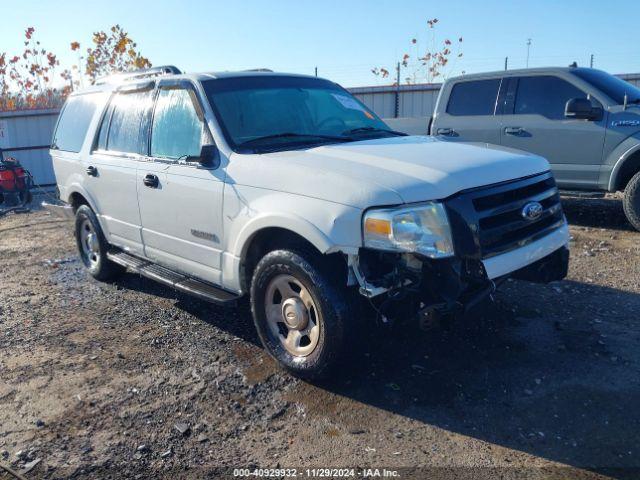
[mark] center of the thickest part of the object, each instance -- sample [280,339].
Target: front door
[181,200]
[534,121]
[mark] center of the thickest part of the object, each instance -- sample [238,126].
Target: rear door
[534,121]
[181,200]
[111,167]
[470,112]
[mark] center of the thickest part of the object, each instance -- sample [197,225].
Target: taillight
[6,175]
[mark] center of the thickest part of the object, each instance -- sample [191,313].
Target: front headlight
[423,229]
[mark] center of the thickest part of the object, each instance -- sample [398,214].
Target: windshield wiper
[373,130]
[264,138]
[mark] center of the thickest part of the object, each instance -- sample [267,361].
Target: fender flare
[286,221]
[615,172]
[76,187]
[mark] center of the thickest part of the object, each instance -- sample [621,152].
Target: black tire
[99,266]
[631,201]
[337,315]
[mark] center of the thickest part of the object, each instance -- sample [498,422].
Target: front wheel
[631,201]
[301,313]
[93,247]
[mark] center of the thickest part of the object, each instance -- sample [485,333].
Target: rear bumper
[60,210]
[509,262]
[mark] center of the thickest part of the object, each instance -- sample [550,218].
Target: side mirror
[581,108]
[209,156]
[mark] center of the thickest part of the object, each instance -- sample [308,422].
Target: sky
[344,39]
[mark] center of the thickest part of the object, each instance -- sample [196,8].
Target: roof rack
[138,74]
[259,70]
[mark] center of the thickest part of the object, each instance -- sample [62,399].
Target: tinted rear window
[474,98]
[74,122]
[545,95]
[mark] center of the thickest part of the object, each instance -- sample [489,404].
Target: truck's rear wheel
[300,313]
[93,247]
[631,201]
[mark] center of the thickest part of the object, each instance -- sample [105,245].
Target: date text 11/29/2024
[316,473]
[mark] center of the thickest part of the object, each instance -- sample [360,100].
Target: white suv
[290,190]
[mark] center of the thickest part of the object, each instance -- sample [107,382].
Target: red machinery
[15,186]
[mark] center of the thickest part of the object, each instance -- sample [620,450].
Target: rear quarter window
[477,97]
[74,122]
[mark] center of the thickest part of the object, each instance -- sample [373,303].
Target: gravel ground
[134,380]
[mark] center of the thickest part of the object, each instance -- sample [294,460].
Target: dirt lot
[96,380]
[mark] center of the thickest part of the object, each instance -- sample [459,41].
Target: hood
[385,171]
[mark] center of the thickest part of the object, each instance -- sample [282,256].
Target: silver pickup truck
[585,122]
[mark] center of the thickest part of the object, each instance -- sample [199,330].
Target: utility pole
[528,50]
[397,109]
[506,63]
[591,62]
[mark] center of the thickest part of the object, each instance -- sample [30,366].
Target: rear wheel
[93,247]
[631,201]
[301,313]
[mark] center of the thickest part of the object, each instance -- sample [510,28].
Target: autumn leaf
[75,46]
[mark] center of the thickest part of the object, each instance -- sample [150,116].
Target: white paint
[319,193]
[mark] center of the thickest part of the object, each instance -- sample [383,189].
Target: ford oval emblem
[532,211]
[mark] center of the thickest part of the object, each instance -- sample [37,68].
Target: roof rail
[259,70]
[138,74]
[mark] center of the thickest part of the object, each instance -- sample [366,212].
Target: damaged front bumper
[456,284]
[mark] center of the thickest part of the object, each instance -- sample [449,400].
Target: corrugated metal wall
[26,135]
[415,100]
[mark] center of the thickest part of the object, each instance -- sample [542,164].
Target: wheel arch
[274,237]
[625,168]
[76,196]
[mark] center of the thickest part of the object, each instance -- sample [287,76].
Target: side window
[476,97]
[544,95]
[104,128]
[74,122]
[178,125]
[127,128]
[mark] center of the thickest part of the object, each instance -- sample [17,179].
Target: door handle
[449,132]
[513,130]
[92,171]
[151,180]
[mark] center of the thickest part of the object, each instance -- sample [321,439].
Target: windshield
[270,113]
[612,86]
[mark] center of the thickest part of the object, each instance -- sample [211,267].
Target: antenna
[528,49]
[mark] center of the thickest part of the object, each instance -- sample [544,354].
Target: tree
[111,52]
[29,80]
[433,63]
[33,79]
